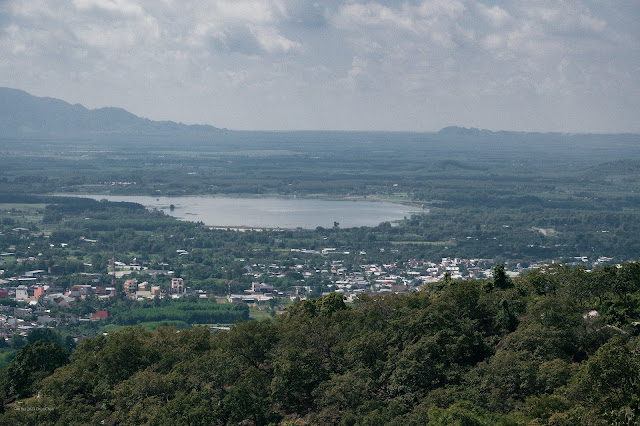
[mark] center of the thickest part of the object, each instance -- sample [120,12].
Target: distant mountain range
[24,115]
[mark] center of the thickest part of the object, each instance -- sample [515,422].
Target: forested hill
[557,346]
[24,115]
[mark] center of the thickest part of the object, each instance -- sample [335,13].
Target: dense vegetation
[199,312]
[531,351]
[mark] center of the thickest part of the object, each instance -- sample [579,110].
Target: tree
[608,381]
[45,334]
[463,413]
[500,278]
[31,364]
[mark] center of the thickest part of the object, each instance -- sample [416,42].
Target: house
[177,285]
[143,294]
[37,307]
[82,290]
[261,288]
[22,312]
[69,318]
[22,293]
[74,293]
[131,286]
[46,320]
[60,300]
[105,292]
[100,315]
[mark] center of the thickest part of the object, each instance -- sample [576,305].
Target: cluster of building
[259,292]
[143,290]
[367,278]
[38,300]
[53,295]
[35,314]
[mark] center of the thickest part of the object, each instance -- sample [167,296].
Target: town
[32,300]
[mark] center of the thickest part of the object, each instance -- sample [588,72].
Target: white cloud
[104,37]
[122,7]
[450,8]
[493,41]
[565,17]
[247,11]
[428,58]
[246,26]
[374,14]
[273,42]
[494,14]
[236,78]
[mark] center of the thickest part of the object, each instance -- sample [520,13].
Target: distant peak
[22,113]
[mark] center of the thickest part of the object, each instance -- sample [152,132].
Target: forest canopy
[556,346]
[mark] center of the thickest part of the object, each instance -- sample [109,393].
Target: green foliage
[464,413]
[608,382]
[464,354]
[500,278]
[188,312]
[32,363]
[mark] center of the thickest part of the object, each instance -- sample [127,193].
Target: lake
[270,212]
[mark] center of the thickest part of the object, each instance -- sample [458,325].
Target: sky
[537,65]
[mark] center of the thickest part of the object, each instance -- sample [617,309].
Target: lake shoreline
[268,212]
[325,197]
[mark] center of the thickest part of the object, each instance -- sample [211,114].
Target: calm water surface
[271,212]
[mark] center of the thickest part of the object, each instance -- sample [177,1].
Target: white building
[22,293]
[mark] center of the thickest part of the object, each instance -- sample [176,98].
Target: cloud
[408,17]
[248,27]
[246,11]
[374,14]
[494,14]
[428,58]
[121,7]
[5,18]
[494,41]
[306,13]
[439,8]
[272,41]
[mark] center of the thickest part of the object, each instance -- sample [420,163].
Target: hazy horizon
[462,127]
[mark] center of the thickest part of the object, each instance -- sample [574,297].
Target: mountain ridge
[26,115]
[22,114]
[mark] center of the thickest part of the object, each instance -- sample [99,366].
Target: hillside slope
[23,115]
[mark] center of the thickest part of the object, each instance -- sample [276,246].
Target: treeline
[57,208]
[189,312]
[557,346]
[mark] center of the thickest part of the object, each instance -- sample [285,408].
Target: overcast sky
[557,65]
